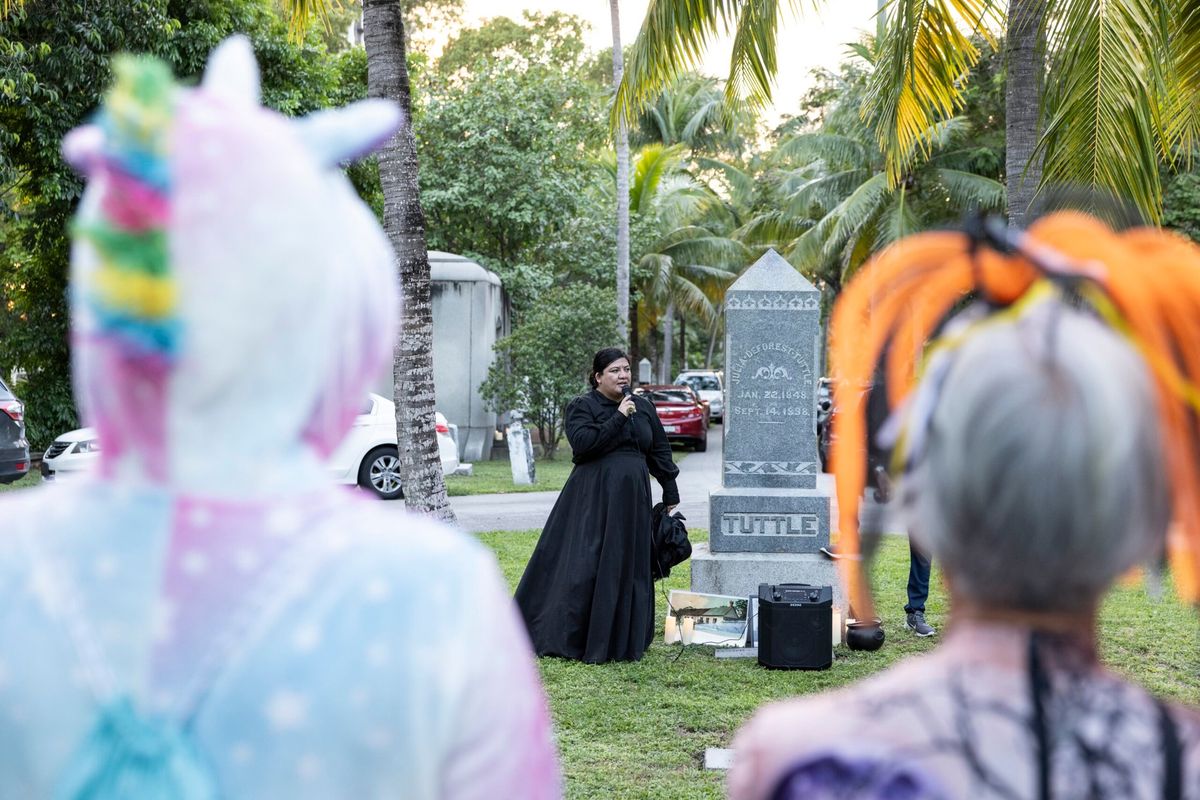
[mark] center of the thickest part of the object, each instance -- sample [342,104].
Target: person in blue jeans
[919,566]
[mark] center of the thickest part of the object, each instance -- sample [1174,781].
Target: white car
[709,386]
[367,456]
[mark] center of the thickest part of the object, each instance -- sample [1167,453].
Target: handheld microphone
[628,392]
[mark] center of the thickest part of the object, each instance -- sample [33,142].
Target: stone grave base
[739,574]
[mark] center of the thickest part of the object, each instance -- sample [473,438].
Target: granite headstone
[520,453]
[769,520]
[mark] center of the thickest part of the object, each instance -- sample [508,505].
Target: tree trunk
[712,337]
[404,223]
[652,343]
[618,59]
[1023,99]
[635,354]
[664,365]
[683,342]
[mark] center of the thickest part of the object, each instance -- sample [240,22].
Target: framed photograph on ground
[712,619]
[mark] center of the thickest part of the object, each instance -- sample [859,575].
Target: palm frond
[807,252]
[678,199]
[1101,131]
[824,192]
[925,55]
[773,228]
[660,123]
[674,36]
[753,62]
[742,184]
[862,247]
[301,12]
[693,299]
[658,267]
[698,244]
[1181,102]
[941,134]
[898,220]
[855,211]
[705,115]
[650,164]
[968,190]
[830,147]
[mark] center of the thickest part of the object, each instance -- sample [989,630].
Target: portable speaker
[795,626]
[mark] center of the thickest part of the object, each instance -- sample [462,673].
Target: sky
[807,40]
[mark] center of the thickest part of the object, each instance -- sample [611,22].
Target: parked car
[709,386]
[367,456]
[682,414]
[14,449]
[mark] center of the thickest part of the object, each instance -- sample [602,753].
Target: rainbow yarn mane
[133,293]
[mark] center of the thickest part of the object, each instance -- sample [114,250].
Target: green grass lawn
[495,477]
[32,479]
[640,730]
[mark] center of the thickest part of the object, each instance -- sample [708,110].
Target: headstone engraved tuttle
[768,521]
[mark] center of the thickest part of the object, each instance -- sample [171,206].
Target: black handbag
[670,545]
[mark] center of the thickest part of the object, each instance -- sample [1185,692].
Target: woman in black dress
[587,592]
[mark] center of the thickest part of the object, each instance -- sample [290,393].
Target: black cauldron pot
[864,634]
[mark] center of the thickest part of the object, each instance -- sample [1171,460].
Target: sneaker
[916,623]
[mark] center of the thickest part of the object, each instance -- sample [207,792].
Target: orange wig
[1144,282]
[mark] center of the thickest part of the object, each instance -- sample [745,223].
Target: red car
[681,412]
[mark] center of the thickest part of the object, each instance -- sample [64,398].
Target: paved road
[699,473]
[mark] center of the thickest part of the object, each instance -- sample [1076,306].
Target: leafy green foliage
[1181,205]
[52,55]
[542,364]
[552,41]
[834,201]
[54,61]
[506,123]
[692,111]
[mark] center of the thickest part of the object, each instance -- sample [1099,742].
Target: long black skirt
[587,593]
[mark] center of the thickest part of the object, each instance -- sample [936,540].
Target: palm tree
[684,270]
[692,111]
[622,183]
[404,223]
[838,207]
[1125,88]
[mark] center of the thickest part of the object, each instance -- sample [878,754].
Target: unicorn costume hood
[232,297]
[209,616]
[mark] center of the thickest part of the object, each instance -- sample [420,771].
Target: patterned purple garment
[837,777]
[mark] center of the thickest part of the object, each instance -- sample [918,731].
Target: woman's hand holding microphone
[627,407]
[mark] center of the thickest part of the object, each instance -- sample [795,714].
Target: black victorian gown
[587,592]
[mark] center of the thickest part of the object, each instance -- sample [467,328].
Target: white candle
[837,626]
[686,628]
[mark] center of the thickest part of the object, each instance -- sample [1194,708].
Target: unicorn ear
[340,135]
[232,72]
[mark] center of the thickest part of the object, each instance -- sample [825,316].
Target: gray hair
[1042,478]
